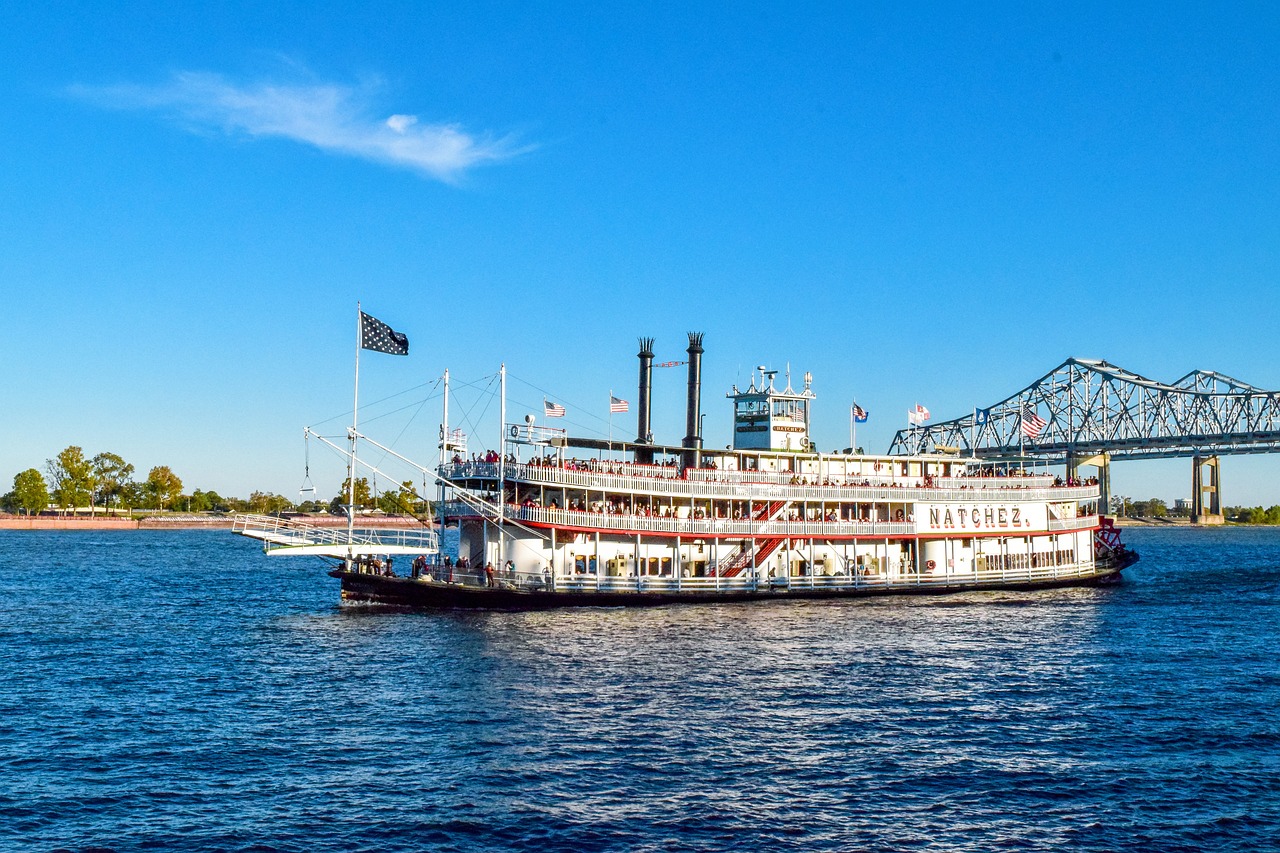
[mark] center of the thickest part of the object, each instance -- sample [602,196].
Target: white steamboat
[555,520]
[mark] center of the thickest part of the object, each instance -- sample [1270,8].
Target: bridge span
[1090,413]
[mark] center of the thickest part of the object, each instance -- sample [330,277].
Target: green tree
[30,494]
[402,502]
[162,487]
[364,498]
[267,502]
[71,476]
[110,474]
[133,495]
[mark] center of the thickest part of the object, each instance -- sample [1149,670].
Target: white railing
[718,489]
[588,583]
[693,526]
[289,532]
[1082,522]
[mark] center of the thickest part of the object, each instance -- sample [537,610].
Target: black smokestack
[643,406]
[692,444]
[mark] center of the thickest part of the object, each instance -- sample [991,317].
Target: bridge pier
[1206,498]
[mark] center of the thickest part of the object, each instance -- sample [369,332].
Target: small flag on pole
[1032,424]
[379,337]
[918,415]
[552,410]
[616,405]
[859,414]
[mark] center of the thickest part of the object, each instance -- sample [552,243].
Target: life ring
[930,565]
[515,431]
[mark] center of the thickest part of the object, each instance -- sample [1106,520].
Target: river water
[181,691]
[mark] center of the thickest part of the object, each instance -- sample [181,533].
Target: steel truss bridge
[1095,412]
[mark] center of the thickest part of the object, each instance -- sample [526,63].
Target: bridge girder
[1093,407]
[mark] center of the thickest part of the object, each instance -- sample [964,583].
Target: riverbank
[213,521]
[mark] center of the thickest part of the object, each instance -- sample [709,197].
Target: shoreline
[177,522]
[225,522]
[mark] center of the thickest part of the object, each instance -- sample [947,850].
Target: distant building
[1182,506]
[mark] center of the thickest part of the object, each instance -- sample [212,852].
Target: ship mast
[444,454]
[502,461]
[351,462]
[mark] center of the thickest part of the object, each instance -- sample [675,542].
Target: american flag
[552,410]
[616,405]
[1032,424]
[859,414]
[379,337]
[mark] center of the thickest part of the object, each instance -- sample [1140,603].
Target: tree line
[1156,508]
[72,481]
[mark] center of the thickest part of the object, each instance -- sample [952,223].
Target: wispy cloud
[329,116]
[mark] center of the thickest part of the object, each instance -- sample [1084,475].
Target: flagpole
[973,435]
[851,444]
[610,420]
[502,466]
[351,463]
[1022,436]
[444,456]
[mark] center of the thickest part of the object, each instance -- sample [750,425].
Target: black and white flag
[379,337]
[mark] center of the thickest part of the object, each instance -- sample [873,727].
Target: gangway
[294,537]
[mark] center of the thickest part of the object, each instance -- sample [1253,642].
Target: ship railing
[893,580]
[289,532]
[561,477]
[476,576]
[783,478]
[1081,522]
[705,526]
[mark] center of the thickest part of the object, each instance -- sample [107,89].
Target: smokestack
[643,428]
[692,456]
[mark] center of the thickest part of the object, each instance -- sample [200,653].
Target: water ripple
[186,693]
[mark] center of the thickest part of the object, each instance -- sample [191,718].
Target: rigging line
[395,441]
[537,407]
[466,413]
[417,403]
[347,413]
[420,404]
[547,393]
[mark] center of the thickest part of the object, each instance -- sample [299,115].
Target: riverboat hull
[430,594]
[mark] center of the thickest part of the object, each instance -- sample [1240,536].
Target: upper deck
[669,481]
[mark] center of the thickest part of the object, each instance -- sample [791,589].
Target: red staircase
[744,558]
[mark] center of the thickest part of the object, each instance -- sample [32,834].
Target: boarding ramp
[295,537]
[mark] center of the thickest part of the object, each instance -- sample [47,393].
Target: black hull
[427,594]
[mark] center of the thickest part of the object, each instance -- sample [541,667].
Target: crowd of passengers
[611,507]
[636,469]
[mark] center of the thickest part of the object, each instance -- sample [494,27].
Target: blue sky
[914,204]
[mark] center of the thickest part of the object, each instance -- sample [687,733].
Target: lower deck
[523,591]
[607,560]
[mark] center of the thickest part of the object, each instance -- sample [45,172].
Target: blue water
[180,691]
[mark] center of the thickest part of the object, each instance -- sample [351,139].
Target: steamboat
[555,520]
